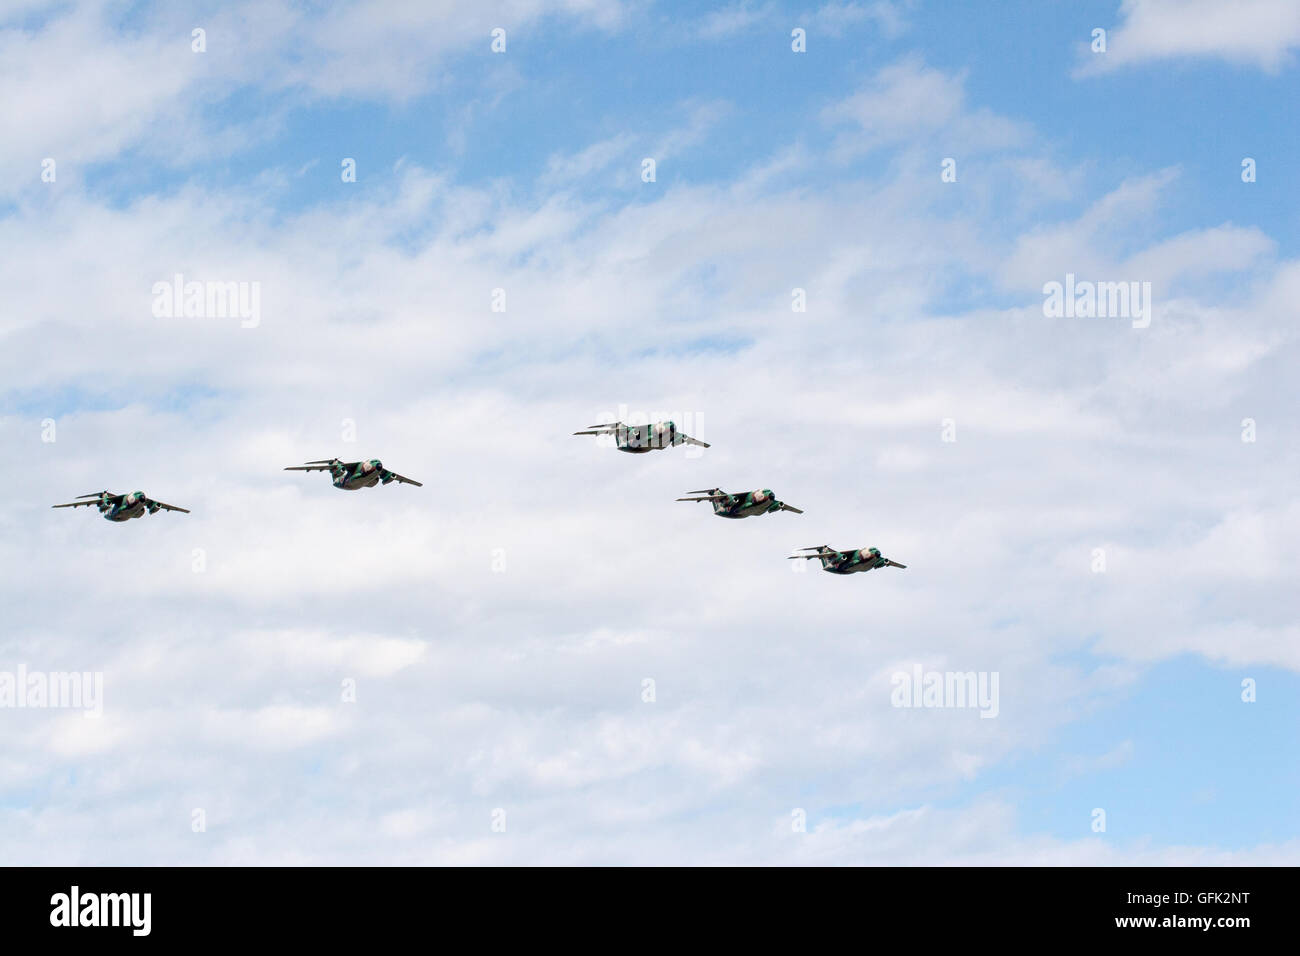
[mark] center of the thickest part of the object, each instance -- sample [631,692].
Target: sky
[827,253]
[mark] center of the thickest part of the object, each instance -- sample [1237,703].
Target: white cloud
[732,19]
[984,835]
[909,103]
[1259,33]
[81,91]
[836,18]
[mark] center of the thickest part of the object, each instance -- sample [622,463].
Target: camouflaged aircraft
[638,439]
[122,507]
[351,475]
[742,505]
[847,562]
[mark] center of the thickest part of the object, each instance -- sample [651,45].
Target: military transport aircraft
[743,504]
[351,475]
[847,562]
[122,507]
[638,439]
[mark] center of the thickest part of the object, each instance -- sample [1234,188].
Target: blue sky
[1148,117]
[518,686]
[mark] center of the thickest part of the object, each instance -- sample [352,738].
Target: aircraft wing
[406,481]
[166,507]
[315,466]
[786,507]
[817,552]
[601,429]
[705,496]
[688,440]
[894,564]
[77,504]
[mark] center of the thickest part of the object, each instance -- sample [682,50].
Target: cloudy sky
[540,657]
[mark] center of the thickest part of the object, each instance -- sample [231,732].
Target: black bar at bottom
[656,906]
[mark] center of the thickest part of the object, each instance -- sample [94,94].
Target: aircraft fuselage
[365,474]
[841,563]
[125,509]
[639,439]
[742,509]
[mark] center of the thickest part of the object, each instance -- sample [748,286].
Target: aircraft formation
[634,439]
[746,504]
[346,476]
